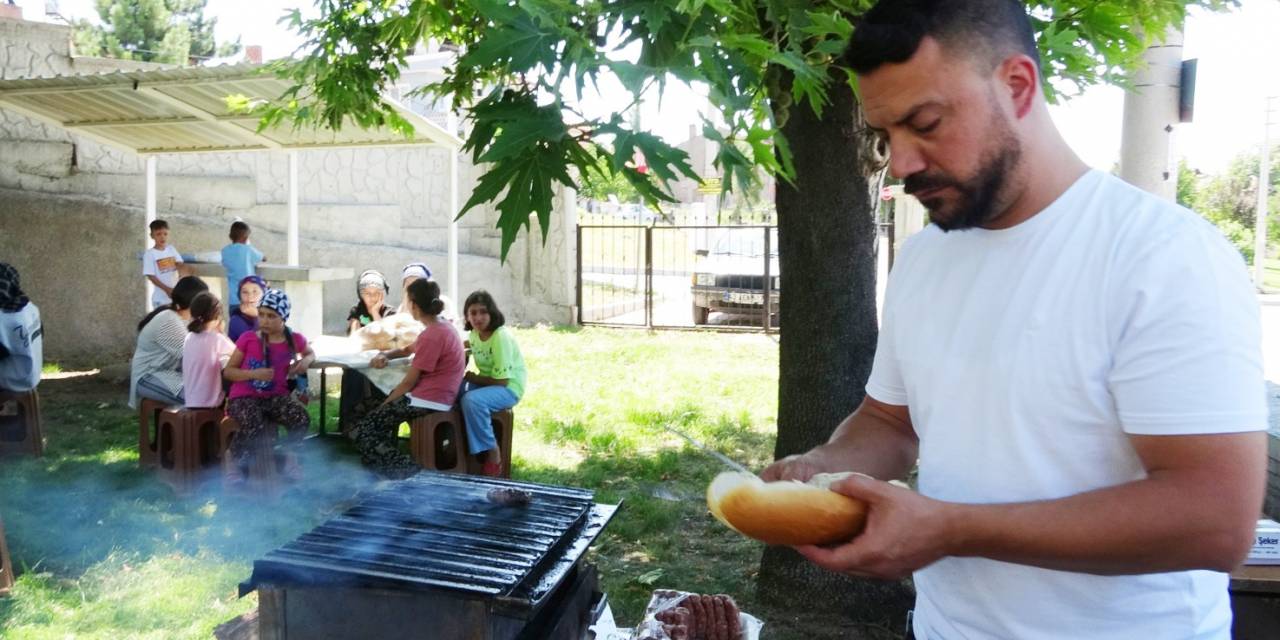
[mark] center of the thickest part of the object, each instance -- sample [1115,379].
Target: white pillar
[452,126]
[1150,116]
[1264,190]
[293,207]
[151,216]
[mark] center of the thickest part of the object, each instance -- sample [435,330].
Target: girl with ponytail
[156,369]
[205,353]
[430,384]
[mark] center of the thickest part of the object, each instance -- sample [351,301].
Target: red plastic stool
[148,414]
[6,565]
[187,445]
[433,436]
[503,425]
[20,433]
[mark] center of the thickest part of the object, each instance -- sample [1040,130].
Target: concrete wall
[359,208]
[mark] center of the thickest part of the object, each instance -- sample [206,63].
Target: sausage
[510,497]
[699,628]
[721,628]
[709,620]
[731,613]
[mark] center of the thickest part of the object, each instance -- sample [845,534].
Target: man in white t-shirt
[1074,363]
[160,264]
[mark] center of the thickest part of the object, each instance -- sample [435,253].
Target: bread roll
[786,512]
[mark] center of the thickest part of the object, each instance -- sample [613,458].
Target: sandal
[491,469]
[292,471]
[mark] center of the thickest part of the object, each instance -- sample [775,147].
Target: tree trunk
[826,238]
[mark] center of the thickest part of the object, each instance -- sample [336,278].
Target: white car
[730,277]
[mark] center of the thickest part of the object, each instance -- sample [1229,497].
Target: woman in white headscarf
[371,306]
[420,270]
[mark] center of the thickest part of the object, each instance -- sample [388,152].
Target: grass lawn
[106,551]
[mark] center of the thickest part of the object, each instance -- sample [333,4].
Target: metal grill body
[434,557]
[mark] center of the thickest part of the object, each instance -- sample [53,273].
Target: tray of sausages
[680,615]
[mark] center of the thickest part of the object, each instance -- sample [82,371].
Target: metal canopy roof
[184,111]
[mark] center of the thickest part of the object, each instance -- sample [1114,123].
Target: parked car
[730,277]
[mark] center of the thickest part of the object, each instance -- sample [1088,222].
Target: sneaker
[491,469]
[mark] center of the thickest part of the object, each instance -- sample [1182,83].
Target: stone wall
[358,208]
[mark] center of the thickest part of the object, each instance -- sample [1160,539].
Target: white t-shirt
[22,336]
[162,264]
[1026,356]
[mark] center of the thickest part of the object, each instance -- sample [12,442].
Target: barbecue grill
[436,556]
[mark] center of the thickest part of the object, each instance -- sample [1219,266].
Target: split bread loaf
[786,512]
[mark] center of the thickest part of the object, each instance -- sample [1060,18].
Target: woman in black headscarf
[21,335]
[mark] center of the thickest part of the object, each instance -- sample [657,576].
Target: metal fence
[674,276]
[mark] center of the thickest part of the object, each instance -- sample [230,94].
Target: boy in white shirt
[160,264]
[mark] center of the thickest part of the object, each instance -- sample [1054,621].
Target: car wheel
[700,314]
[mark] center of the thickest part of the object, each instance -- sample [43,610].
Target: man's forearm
[867,443]
[1162,523]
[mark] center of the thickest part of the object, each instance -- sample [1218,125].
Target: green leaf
[650,578]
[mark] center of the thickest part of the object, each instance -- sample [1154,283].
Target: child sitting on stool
[205,352]
[498,382]
[260,369]
[430,384]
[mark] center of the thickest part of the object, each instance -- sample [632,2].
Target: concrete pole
[1264,190]
[293,208]
[151,216]
[1150,115]
[452,124]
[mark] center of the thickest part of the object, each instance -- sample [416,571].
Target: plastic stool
[262,474]
[21,434]
[6,564]
[187,445]
[148,414]
[503,425]
[431,436]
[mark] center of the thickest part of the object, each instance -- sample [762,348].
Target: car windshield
[745,244]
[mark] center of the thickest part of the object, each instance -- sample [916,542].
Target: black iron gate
[679,276]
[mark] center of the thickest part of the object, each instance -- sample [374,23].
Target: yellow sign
[710,186]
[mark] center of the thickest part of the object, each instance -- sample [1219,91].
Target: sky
[1239,66]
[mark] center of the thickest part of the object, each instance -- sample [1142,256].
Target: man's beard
[978,201]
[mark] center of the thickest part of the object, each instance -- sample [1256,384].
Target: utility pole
[1264,191]
[1150,114]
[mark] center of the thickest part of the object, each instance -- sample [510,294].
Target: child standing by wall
[160,264]
[240,259]
[430,384]
[499,382]
[259,370]
[204,353]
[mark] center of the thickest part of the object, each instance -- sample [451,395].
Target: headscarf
[277,301]
[372,278]
[254,278]
[415,269]
[11,297]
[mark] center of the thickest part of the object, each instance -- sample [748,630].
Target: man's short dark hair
[157,225]
[985,30]
[239,231]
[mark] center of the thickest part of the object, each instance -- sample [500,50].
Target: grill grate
[440,531]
